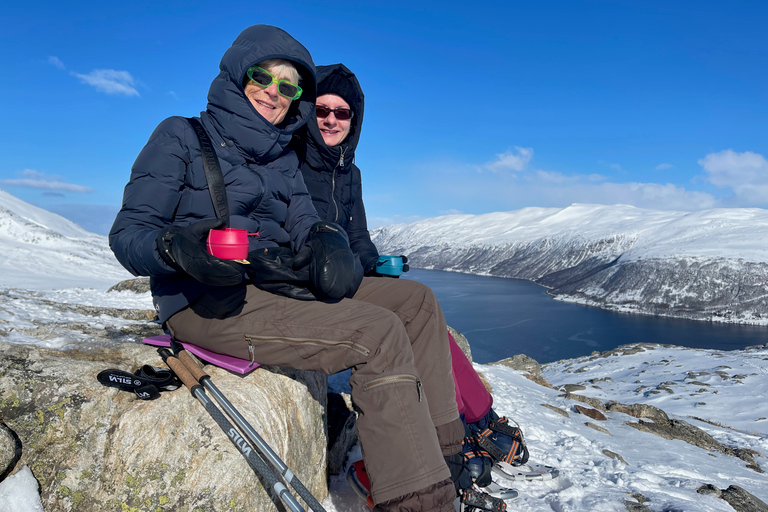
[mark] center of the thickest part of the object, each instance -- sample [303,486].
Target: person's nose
[330,119]
[272,90]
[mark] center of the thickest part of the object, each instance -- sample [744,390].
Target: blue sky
[471,107]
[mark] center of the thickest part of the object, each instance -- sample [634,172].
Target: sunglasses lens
[288,90]
[342,114]
[260,76]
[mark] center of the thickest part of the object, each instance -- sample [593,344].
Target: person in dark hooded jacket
[408,423]
[329,169]
[327,144]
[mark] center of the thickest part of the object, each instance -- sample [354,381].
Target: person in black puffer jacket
[264,92]
[332,178]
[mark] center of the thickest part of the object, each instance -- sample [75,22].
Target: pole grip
[191,365]
[181,372]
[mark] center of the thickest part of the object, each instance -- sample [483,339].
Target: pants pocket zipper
[392,379]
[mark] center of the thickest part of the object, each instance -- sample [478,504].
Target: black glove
[271,269]
[183,247]
[334,270]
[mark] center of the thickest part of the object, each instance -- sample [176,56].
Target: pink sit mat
[234,364]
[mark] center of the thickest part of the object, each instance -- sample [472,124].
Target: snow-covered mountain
[706,265]
[39,247]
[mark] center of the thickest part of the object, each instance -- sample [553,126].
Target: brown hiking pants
[393,336]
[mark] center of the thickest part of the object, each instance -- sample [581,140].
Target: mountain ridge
[705,265]
[40,247]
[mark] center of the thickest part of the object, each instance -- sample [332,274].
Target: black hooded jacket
[332,178]
[265,190]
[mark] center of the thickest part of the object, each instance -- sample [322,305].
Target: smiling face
[266,100]
[333,131]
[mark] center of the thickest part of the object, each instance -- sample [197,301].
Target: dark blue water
[503,317]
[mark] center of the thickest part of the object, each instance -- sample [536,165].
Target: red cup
[229,243]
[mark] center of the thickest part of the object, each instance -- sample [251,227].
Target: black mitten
[334,270]
[183,247]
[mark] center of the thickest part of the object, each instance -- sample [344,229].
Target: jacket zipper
[393,378]
[333,183]
[296,341]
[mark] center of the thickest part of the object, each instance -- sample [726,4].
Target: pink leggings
[473,399]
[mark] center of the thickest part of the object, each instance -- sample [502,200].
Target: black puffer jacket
[265,190]
[332,178]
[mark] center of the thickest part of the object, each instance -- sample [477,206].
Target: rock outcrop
[88,444]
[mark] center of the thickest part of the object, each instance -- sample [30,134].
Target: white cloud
[735,170]
[653,195]
[37,180]
[512,161]
[478,192]
[745,173]
[662,167]
[56,62]
[560,178]
[110,81]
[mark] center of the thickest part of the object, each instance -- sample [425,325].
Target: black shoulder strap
[212,172]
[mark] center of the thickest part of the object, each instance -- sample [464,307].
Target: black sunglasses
[342,114]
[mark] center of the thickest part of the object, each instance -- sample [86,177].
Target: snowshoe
[503,442]
[493,441]
[473,499]
[480,467]
[527,472]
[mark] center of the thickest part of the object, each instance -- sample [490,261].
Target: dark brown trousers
[392,335]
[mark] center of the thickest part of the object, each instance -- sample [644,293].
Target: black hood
[318,154]
[231,112]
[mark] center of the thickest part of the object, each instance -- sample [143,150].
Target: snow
[18,493]
[722,393]
[666,472]
[41,248]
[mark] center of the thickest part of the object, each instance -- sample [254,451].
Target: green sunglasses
[264,78]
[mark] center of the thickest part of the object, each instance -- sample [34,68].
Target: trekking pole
[205,380]
[258,465]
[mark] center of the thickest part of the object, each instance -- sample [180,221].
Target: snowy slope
[39,247]
[721,393]
[707,265]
